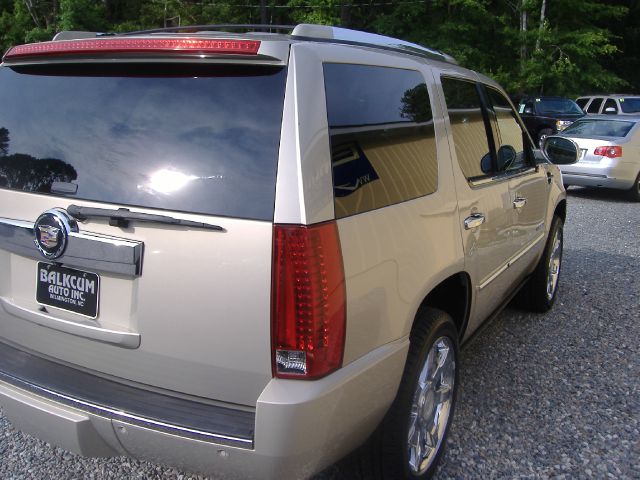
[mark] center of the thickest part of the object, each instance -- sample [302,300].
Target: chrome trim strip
[93,251]
[580,174]
[510,262]
[120,415]
[479,182]
[120,338]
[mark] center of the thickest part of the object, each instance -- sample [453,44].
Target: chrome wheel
[553,269]
[431,405]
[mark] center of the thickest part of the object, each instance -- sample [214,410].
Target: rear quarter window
[382,137]
[201,139]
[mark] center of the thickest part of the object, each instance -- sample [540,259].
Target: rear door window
[469,130]
[594,106]
[610,103]
[382,137]
[201,139]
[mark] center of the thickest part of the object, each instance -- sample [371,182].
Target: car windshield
[630,104]
[599,128]
[559,105]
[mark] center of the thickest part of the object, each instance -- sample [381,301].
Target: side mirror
[485,163]
[506,157]
[560,150]
[610,111]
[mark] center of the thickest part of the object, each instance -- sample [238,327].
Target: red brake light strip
[133,45]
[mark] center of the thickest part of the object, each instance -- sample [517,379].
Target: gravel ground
[541,396]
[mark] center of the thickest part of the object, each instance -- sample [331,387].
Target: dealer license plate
[69,289]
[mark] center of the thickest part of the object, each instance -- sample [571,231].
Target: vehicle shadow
[604,194]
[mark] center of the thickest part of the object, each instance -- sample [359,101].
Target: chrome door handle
[519,202]
[473,221]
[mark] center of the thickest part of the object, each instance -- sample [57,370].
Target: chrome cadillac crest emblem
[48,236]
[51,232]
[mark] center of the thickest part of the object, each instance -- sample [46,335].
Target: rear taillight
[135,45]
[609,151]
[308,301]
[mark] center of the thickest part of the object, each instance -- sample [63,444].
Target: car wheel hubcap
[554,264]
[431,405]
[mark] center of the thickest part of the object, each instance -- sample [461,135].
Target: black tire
[386,455]
[535,294]
[542,133]
[634,192]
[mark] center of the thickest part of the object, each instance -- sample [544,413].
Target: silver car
[250,254]
[614,104]
[609,153]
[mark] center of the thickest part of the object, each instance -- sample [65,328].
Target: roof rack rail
[75,35]
[222,26]
[303,31]
[356,37]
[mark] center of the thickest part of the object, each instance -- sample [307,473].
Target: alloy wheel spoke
[429,411]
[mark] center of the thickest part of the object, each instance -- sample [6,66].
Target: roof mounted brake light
[136,45]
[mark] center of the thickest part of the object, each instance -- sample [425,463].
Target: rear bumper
[607,173]
[296,429]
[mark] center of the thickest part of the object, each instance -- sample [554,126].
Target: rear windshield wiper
[123,216]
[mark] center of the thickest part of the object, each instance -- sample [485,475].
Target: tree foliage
[568,47]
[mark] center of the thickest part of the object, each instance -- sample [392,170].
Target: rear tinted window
[610,103]
[467,127]
[383,148]
[184,138]
[599,128]
[630,104]
[594,106]
[582,102]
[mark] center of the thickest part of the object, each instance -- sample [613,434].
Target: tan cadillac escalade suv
[248,254]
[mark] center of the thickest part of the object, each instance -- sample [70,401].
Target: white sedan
[609,154]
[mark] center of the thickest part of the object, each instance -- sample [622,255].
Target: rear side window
[610,103]
[383,147]
[200,139]
[630,104]
[582,102]
[468,128]
[594,106]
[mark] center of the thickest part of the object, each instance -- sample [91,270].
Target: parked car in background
[613,104]
[609,153]
[545,116]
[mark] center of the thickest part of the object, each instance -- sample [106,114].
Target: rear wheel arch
[453,296]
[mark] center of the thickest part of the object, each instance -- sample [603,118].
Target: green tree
[87,15]
[531,46]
